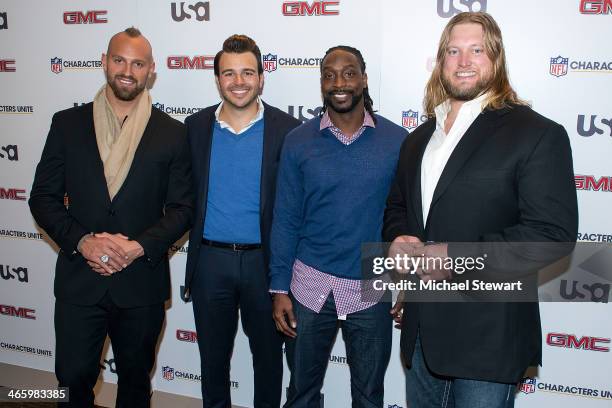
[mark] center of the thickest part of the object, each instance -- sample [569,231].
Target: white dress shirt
[225,125]
[441,146]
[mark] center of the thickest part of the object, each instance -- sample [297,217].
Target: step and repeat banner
[559,58]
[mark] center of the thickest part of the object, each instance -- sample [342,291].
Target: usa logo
[558,66]
[159,106]
[269,62]
[56,65]
[410,119]
[528,385]
[168,373]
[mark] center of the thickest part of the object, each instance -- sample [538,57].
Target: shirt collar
[225,125]
[472,108]
[326,121]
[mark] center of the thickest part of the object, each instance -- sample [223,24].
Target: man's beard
[124,94]
[466,94]
[355,99]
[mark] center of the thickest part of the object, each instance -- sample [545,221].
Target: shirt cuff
[284,292]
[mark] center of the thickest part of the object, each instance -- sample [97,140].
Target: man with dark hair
[335,174]
[124,169]
[235,147]
[484,169]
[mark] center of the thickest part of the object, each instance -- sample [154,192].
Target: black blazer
[154,206]
[200,129]
[510,179]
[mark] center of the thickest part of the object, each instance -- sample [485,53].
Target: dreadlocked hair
[367,99]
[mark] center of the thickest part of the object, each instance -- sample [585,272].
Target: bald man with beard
[113,190]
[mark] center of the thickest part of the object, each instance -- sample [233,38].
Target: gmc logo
[186,335]
[596,6]
[22,312]
[7,65]
[591,183]
[89,17]
[573,342]
[317,8]
[197,62]
[12,194]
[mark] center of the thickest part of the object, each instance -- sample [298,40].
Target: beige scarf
[116,143]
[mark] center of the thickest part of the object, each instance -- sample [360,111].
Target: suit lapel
[269,139]
[94,153]
[477,133]
[207,129]
[139,153]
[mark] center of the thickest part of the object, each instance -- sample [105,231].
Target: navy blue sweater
[330,198]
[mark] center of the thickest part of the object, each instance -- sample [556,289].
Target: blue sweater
[234,179]
[330,198]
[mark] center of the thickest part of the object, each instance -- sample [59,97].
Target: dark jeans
[425,389]
[225,281]
[367,335]
[80,332]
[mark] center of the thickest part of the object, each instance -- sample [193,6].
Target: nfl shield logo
[56,65]
[168,373]
[558,66]
[527,386]
[410,119]
[269,62]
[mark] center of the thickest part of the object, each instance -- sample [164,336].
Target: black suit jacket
[200,130]
[510,179]
[154,206]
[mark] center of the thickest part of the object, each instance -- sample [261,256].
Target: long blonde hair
[500,92]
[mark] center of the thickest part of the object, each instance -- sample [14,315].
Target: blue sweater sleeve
[287,220]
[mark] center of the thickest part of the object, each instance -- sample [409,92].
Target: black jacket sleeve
[47,194]
[179,205]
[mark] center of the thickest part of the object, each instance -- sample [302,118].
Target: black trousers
[225,281]
[80,332]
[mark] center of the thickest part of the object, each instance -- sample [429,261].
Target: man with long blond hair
[487,169]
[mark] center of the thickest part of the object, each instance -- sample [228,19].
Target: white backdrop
[398,40]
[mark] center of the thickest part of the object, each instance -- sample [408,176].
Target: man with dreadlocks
[335,172]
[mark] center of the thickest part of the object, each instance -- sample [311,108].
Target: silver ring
[104,258]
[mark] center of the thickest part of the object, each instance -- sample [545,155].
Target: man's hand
[435,255]
[95,248]
[131,249]
[398,309]
[405,245]
[282,310]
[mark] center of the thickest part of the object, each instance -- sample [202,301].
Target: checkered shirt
[312,287]
[347,140]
